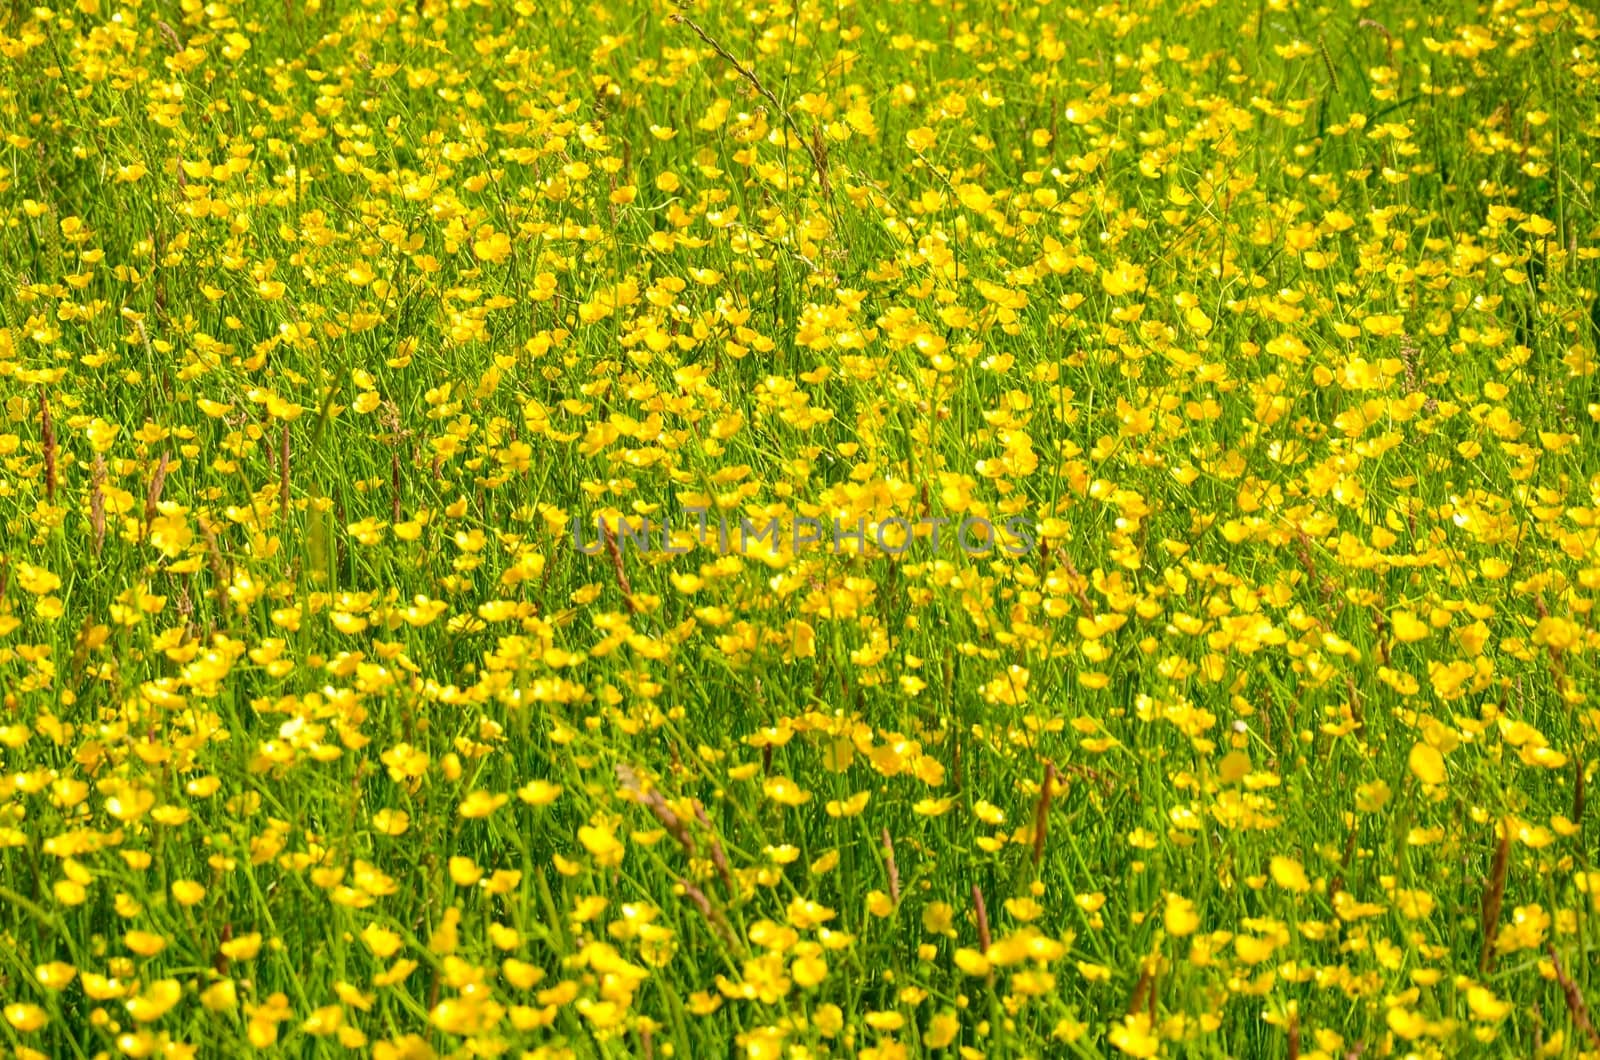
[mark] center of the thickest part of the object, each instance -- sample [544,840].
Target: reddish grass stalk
[713,916]
[1141,991]
[1574,998]
[47,437]
[394,482]
[283,471]
[1578,783]
[983,918]
[1388,60]
[158,481]
[657,805]
[1076,587]
[1356,713]
[894,870]
[1041,812]
[617,568]
[1494,893]
[97,503]
[718,858]
[814,147]
[1344,863]
[1558,666]
[219,568]
[1380,626]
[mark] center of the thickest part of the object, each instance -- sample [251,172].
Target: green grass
[319,323]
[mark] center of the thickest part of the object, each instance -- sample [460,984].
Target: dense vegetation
[322,322]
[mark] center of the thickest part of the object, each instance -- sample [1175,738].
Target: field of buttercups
[323,322]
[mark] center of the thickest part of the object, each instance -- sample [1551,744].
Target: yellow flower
[974,197]
[1134,1036]
[187,892]
[464,871]
[279,409]
[102,435]
[825,863]
[481,804]
[1485,1006]
[602,844]
[156,1001]
[391,822]
[1288,874]
[494,249]
[941,1030]
[56,975]
[1372,796]
[144,943]
[324,1021]
[381,941]
[971,962]
[785,792]
[36,580]
[1426,763]
[1253,950]
[1406,1023]
[220,996]
[850,807]
[1180,917]
[1408,628]
[539,792]
[809,970]
[101,988]
[1123,278]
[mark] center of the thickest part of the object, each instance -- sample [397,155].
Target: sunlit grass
[321,323]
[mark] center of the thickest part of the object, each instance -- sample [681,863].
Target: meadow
[323,323]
